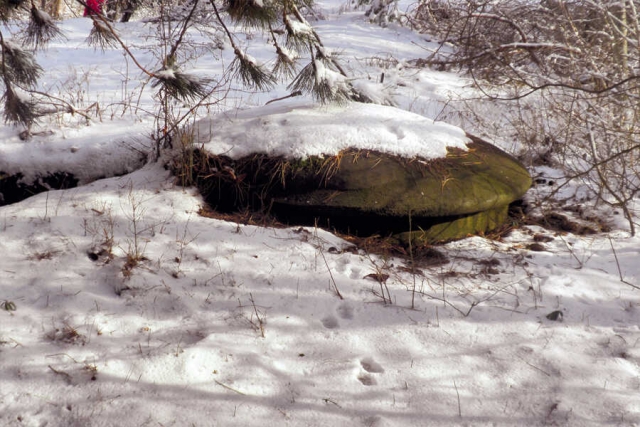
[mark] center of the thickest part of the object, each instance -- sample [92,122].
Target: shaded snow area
[226,324]
[300,129]
[121,305]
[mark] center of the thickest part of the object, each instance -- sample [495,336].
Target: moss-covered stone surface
[366,192]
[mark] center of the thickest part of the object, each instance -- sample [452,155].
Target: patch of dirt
[559,222]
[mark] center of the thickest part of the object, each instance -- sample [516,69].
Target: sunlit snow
[301,129]
[233,324]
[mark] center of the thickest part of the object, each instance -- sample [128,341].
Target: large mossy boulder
[466,192]
[361,190]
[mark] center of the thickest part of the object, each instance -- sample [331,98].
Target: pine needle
[251,74]
[252,13]
[321,89]
[285,65]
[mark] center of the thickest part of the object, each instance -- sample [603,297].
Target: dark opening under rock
[13,190]
[366,192]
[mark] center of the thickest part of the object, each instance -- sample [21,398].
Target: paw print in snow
[345,311]
[330,322]
[369,367]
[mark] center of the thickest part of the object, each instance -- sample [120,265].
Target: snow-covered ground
[123,306]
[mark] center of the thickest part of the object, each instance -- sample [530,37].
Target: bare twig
[458,396]
[618,265]
[229,388]
[259,317]
[65,375]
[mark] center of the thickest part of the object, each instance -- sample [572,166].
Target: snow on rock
[88,153]
[299,129]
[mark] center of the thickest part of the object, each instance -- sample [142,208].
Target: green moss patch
[367,192]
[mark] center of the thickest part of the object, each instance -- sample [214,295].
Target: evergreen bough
[291,35]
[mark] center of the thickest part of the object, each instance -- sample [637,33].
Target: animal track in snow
[345,311]
[346,267]
[330,322]
[367,379]
[371,366]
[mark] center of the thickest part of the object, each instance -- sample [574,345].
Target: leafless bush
[570,69]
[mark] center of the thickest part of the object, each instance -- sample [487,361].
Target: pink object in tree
[94,7]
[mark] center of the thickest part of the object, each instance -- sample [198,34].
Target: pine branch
[7,7]
[285,63]
[251,73]
[102,37]
[318,41]
[305,80]
[18,109]
[181,86]
[19,65]
[299,34]
[104,22]
[323,83]
[41,29]
[252,13]
[286,60]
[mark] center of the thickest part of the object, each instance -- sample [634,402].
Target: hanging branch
[250,72]
[183,31]
[101,36]
[285,64]
[252,13]
[17,108]
[41,29]
[18,64]
[319,43]
[105,23]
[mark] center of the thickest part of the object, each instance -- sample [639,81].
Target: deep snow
[86,339]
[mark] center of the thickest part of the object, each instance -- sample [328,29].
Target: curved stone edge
[479,223]
[463,183]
